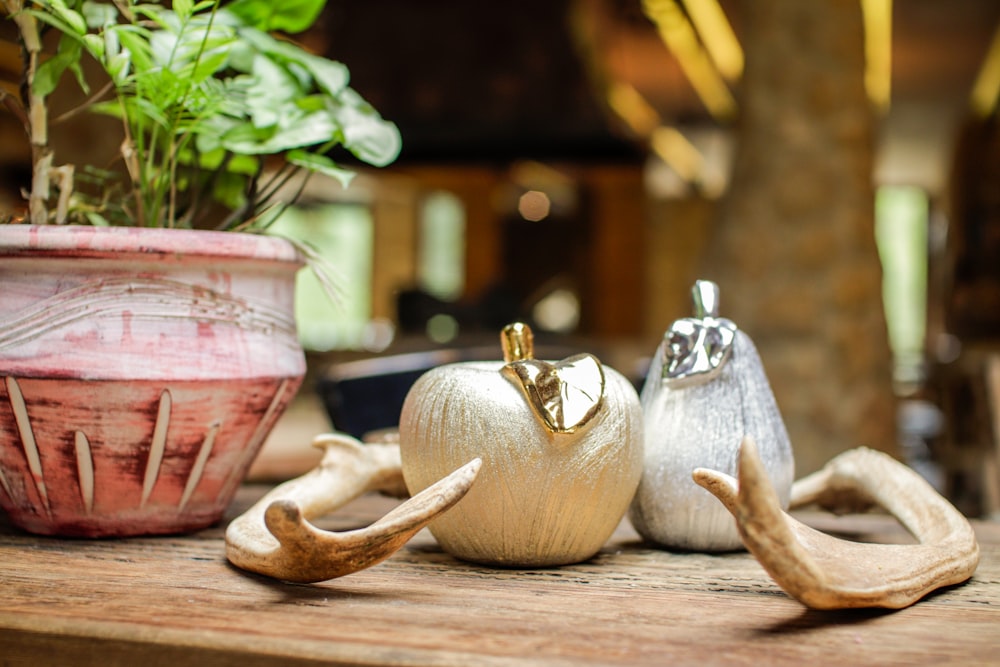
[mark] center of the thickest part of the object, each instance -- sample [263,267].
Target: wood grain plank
[171,600]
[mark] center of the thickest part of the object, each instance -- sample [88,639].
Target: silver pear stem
[695,349]
[705,295]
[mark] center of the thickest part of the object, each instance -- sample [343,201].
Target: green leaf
[163,18]
[219,159]
[77,70]
[202,49]
[161,87]
[136,40]
[112,45]
[96,219]
[96,45]
[183,8]
[230,189]
[142,109]
[208,93]
[291,16]
[73,20]
[244,138]
[229,96]
[312,102]
[47,76]
[210,63]
[273,91]
[331,76]
[244,165]
[117,67]
[268,45]
[367,135]
[49,73]
[164,47]
[99,14]
[55,21]
[241,56]
[113,109]
[320,164]
[315,128]
[210,132]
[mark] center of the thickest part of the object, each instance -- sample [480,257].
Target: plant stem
[294,198]
[128,152]
[248,204]
[275,184]
[173,155]
[17,110]
[37,114]
[85,105]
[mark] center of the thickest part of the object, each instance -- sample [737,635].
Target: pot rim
[147,242]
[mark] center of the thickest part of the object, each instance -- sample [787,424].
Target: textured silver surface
[701,424]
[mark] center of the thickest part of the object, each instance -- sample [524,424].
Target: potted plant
[147,343]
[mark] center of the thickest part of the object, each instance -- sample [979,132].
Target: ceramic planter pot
[140,371]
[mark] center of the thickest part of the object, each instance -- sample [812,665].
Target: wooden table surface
[176,601]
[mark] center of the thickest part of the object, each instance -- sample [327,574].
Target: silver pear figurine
[705,391]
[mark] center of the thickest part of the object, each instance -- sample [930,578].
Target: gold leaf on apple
[566,394]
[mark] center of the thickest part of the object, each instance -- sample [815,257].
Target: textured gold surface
[542,497]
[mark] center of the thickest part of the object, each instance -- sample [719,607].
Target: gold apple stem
[518,342]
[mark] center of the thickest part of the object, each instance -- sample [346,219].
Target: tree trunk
[794,251]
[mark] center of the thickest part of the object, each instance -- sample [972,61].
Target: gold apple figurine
[561,445]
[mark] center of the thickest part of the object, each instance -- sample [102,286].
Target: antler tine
[274,537]
[824,572]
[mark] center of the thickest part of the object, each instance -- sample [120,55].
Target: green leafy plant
[218,107]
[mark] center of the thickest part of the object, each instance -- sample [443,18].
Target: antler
[824,572]
[274,537]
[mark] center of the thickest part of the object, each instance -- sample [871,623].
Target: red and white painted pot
[140,371]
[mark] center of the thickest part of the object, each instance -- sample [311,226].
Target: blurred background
[834,165]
